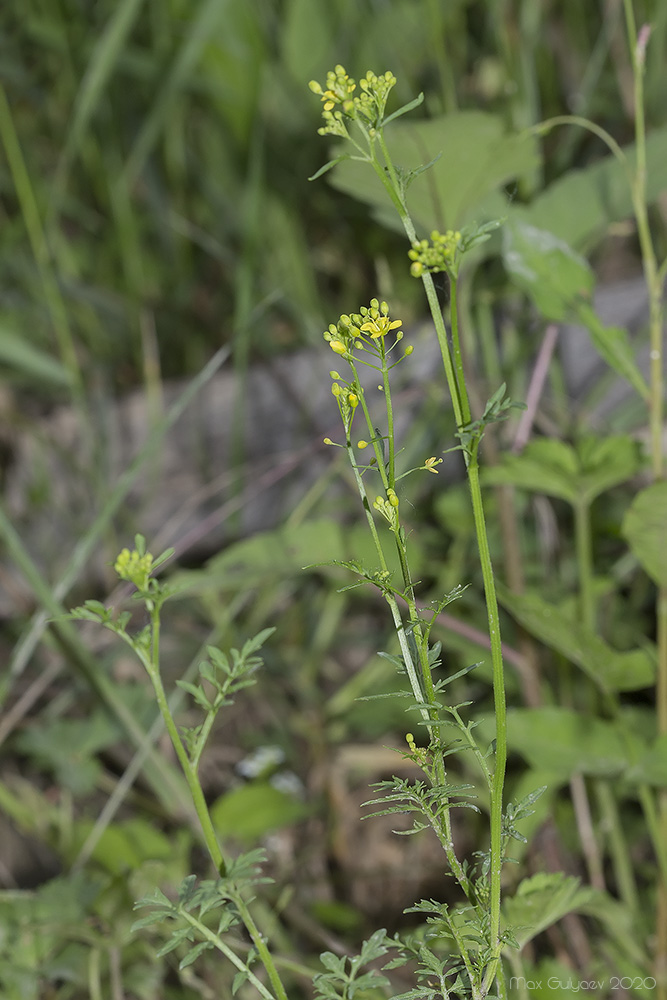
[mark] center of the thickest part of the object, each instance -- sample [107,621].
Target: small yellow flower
[430,463]
[362,444]
[338,347]
[380,326]
[353,399]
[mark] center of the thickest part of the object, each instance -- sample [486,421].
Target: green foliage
[645,527]
[248,813]
[576,474]
[540,901]
[344,978]
[156,177]
[457,188]
[610,670]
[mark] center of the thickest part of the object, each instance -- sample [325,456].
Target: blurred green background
[155,206]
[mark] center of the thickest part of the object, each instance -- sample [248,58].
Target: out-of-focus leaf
[540,901]
[566,742]
[645,528]
[253,810]
[546,268]
[579,474]
[651,768]
[609,669]
[477,158]
[580,206]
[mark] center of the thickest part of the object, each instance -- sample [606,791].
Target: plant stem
[455,376]
[499,704]
[207,933]
[194,785]
[584,558]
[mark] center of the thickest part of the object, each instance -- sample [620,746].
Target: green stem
[500,709]
[623,873]
[459,396]
[201,808]
[194,786]
[458,358]
[584,557]
[207,933]
[391,474]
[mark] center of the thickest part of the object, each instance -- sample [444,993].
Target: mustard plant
[371,338]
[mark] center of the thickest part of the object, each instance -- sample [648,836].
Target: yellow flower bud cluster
[134,568]
[438,254]
[388,507]
[340,104]
[347,396]
[371,323]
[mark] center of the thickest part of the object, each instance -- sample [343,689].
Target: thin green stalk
[189,770]
[458,358]
[421,696]
[500,710]
[153,667]
[391,600]
[218,943]
[457,387]
[164,780]
[584,557]
[623,872]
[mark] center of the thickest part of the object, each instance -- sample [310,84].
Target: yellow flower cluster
[371,321]
[134,568]
[437,254]
[340,104]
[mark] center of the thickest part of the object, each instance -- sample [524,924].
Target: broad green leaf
[287,550]
[478,158]
[541,901]
[651,768]
[68,747]
[566,742]
[253,810]
[560,283]
[546,466]
[614,346]
[554,468]
[609,669]
[554,276]
[605,462]
[645,528]
[579,207]
[124,847]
